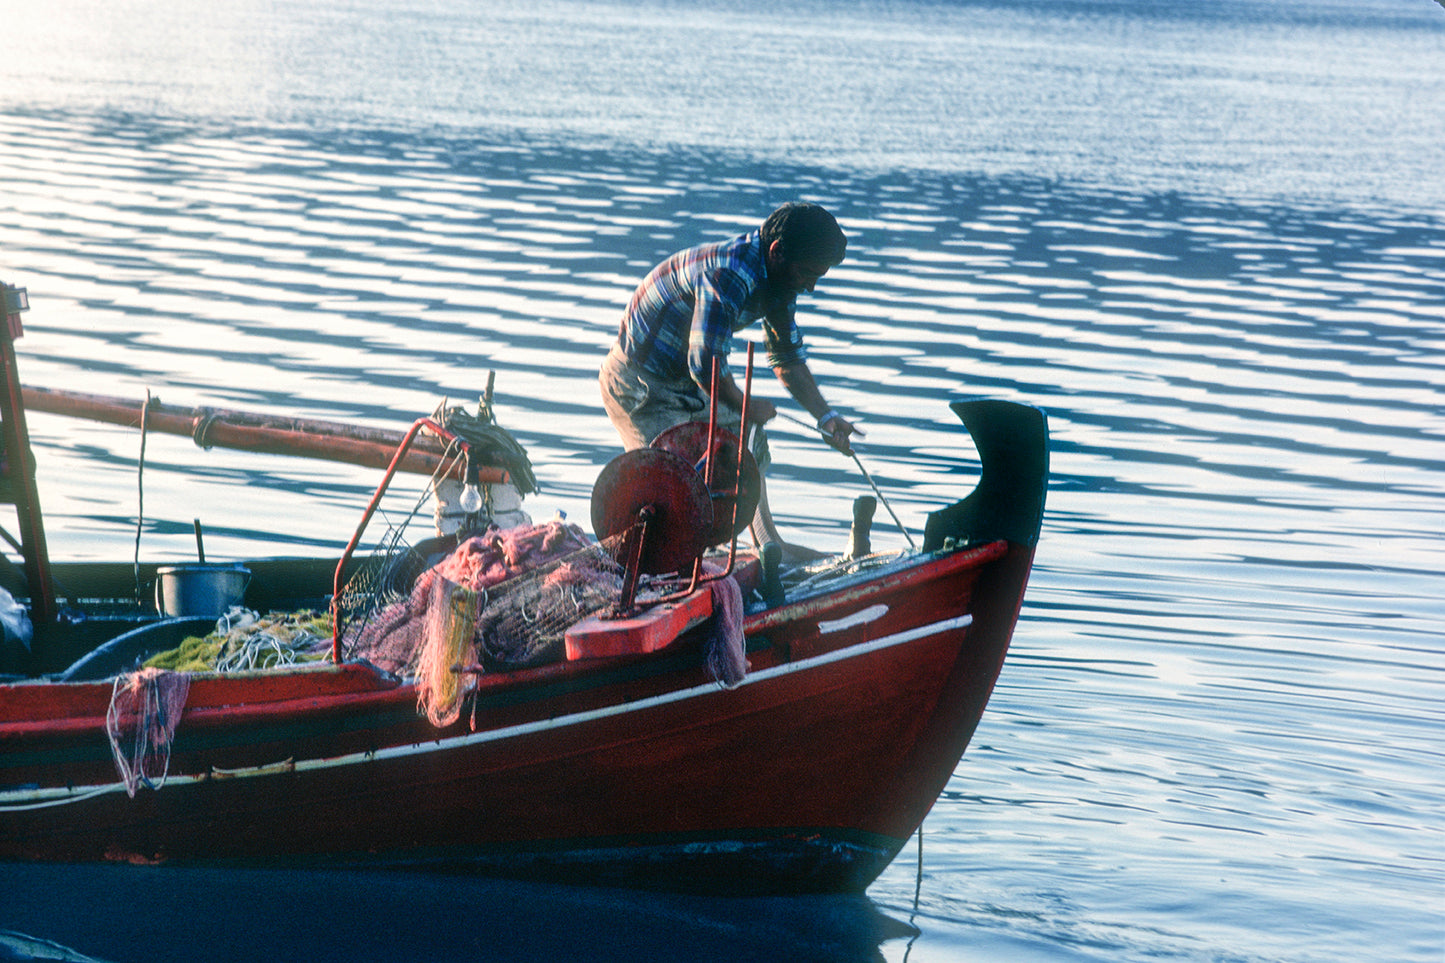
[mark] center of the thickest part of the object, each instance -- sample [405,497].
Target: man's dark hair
[808,233]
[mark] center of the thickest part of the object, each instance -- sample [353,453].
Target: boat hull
[809,776]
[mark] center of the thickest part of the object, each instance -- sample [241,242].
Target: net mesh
[448,642]
[145,708]
[498,600]
[445,610]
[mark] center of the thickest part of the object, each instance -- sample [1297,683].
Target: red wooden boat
[625,763]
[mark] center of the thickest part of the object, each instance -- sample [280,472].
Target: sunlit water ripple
[1217,737]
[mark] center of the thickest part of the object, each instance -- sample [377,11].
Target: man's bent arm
[801,385]
[799,381]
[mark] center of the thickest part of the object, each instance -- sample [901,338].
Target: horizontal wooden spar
[251,431]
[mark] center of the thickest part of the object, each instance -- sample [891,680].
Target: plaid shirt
[685,312]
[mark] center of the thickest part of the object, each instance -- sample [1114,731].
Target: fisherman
[685,313]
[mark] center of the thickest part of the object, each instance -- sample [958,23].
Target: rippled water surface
[1206,238]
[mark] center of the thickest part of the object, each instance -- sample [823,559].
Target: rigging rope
[140,491]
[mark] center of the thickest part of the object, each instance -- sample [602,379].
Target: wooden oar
[250,431]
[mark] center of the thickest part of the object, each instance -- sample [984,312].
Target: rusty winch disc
[682,512]
[689,441]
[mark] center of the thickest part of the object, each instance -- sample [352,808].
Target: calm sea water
[1206,237]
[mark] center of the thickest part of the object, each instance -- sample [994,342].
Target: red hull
[810,775]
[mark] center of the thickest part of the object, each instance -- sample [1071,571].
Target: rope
[145,708]
[491,442]
[202,427]
[140,491]
[896,520]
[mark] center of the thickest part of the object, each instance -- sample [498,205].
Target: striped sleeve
[781,337]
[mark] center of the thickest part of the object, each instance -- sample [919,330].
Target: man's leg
[639,411]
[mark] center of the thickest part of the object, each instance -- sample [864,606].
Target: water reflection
[152,915]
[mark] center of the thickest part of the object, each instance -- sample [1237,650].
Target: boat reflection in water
[125,913]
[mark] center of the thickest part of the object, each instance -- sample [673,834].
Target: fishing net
[448,643]
[499,600]
[491,444]
[388,574]
[245,640]
[444,610]
[532,582]
[145,708]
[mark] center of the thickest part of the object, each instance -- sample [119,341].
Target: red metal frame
[697,581]
[371,506]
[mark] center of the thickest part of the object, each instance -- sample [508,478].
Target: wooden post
[19,468]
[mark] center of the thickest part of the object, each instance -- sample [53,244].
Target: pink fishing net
[505,599]
[726,647]
[145,708]
[497,556]
[514,572]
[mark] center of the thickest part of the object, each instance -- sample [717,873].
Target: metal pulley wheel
[689,441]
[682,511]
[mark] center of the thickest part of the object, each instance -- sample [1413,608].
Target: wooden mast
[17,477]
[250,431]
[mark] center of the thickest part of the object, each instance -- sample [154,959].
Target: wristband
[828,416]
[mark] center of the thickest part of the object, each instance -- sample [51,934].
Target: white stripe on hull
[18,800]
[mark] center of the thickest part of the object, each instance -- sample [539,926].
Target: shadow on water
[122,913]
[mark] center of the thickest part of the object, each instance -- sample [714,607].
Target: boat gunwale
[16,798]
